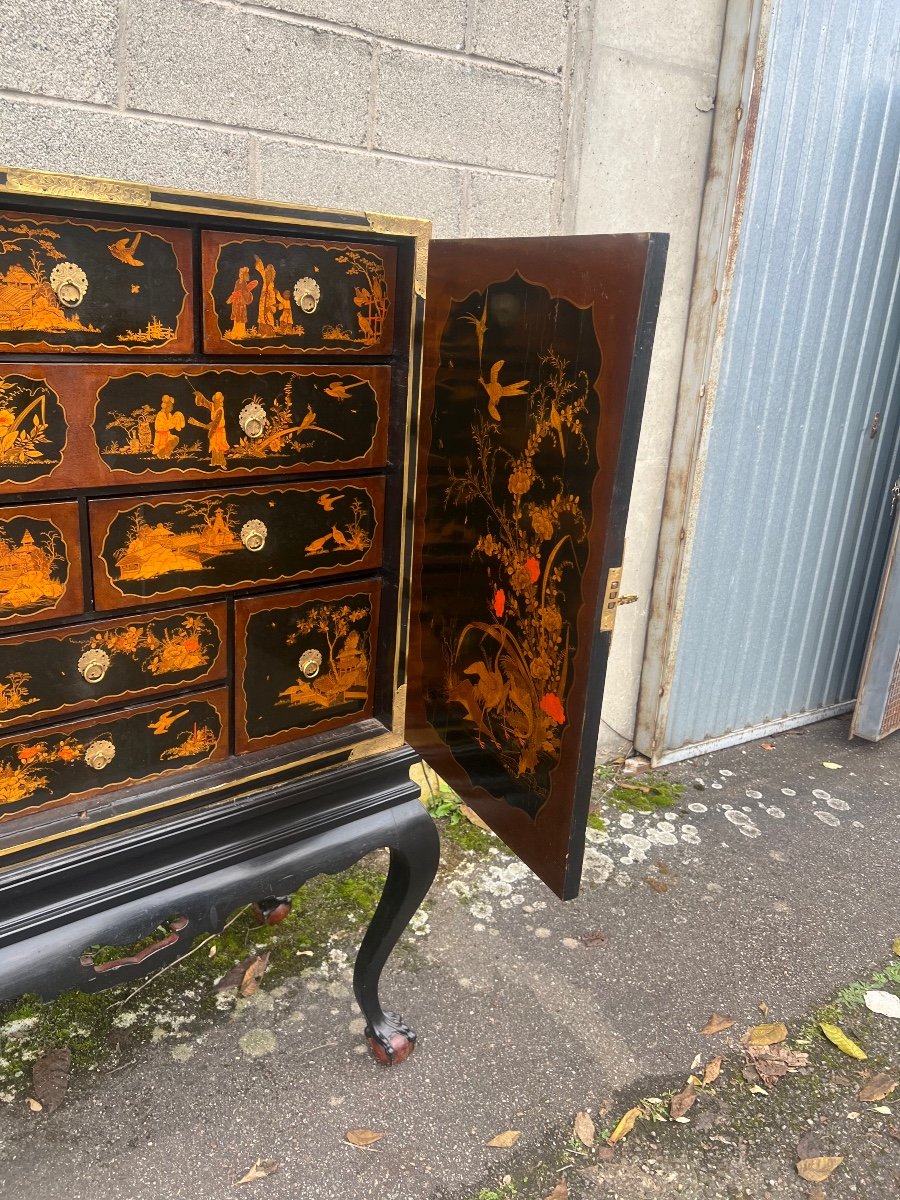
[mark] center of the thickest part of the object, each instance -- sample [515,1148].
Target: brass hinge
[612,600]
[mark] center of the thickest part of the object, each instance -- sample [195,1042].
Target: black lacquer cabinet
[291,498]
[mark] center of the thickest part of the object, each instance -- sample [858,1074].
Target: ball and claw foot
[272,910]
[391,1041]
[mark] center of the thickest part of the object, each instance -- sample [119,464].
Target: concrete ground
[773,881]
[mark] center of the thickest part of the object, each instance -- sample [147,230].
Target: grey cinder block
[60,48]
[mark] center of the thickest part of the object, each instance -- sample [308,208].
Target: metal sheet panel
[793,520]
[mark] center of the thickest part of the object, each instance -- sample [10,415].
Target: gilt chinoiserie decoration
[93,287]
[283,295]
[284,508]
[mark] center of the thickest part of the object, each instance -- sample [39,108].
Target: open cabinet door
[877,711]
[535,367]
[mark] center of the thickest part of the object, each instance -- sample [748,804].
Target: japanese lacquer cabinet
[285,507]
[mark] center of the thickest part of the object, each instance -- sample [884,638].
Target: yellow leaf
[711,1071]
[253,974]
[584,1129]
[763,1008]
[363,1137]
[36,1106]
[625,1126]
[833,766]
[895,946]
[840,1039]
[817,1170]
[766,1035]
[472,816]
[717,1023]
[262,1168]
[503,1141]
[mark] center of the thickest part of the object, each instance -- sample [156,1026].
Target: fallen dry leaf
[473,818]
[711,1071]
[717,1023]
[839,1038]
[234,977]
[596,937]
[261,1169]
[253,974]
[34,1105]
[680,1104]
[363,1137]
[624,1126]
[50,1077]
[771,1062]
[560,1192]
[584,1129]
[766,1035]
[886,1004]
[878,1087]
[768,745]
[817,1170]
[503,1141]
[763,1008]
[895,946]
[833,766]
[657,884]
[605,1153]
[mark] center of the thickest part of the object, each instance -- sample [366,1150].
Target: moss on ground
[98,1028]
[650,794]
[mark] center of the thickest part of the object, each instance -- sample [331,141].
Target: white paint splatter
[743,822]
[821,794]
[840,805]
[826,818]
[788,792]
[727,774]
[753,794]
[637,848]
[690,834]
[697,807]
[626,820]
[774,811]
[716,786]
[542,932]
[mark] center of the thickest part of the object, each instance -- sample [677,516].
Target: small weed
[444,805]
[595,821]
[648,796]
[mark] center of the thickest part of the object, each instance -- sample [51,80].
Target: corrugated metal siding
[793,521]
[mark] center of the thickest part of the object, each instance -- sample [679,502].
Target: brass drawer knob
[309,663]
[253,420]
[69,282]
[307,294]
[93,665]
[100,753]
[253,534]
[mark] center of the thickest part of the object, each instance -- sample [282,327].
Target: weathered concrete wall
[456,110]
[644,110]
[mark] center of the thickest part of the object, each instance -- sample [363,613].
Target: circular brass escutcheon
[93,665]
[69,283]
[307,294]
[99,754]
[253,534]
[309,663]
[253,420]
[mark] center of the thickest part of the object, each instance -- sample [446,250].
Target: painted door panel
[535,367]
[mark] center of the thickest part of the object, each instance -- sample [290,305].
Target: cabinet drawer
[85,758]
[44,674]
[172,423]
[304,662]
[210,541]
[266,295]
[94,287]
[40,563]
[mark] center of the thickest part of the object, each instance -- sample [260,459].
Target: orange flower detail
[191,645]
[552,706]
[67,753]
[533,567]
[499,602]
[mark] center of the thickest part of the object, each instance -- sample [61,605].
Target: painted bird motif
[341,391]
[339,539]
[318,546]
[166,720]
[124,250]
[496,390]
[480,324]
[328,501]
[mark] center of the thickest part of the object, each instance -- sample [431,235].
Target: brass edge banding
[414,227]
[74,187]
[386,741]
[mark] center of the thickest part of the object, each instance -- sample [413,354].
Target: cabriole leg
[414,863]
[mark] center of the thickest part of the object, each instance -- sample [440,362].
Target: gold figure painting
[345,678]
[198,740]
[33,566]
[225,421]
[32,429]
[267,293]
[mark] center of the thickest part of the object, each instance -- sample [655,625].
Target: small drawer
[173,423]
[46,674]
[208,542]
[267,295]
[304,662]
[94,287]
[85,758]
[40,563]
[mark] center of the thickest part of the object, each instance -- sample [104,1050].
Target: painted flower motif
[541,524]
[520,481]
[540,669]
[533,567]
[499,602]
[552,706]
[552,618]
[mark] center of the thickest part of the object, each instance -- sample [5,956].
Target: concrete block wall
[457,110]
